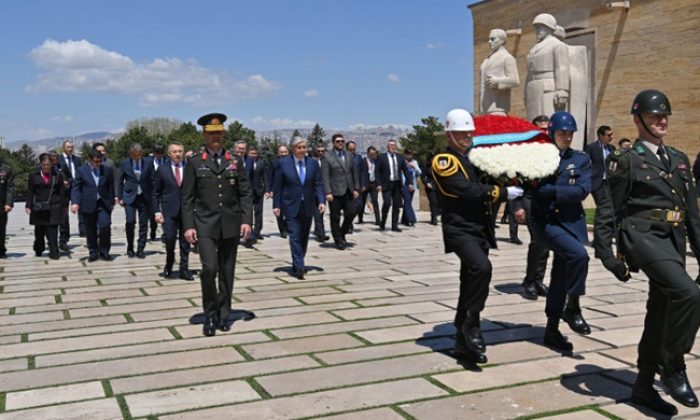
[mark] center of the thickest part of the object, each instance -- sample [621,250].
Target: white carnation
[527,160]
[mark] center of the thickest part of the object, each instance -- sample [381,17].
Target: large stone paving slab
[367,336]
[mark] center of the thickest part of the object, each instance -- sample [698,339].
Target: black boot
[542,289]
[572,316]
[472,333]
[645,395]
[553,338]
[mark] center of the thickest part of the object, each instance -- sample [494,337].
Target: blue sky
[77,66]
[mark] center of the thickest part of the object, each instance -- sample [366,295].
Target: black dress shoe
[529,290]
[54,256]
[516,241]
[283,235]
[130,253]
[382,226]
[224,326]
[541,288]
[679,388]
[473,339]
[554,340]
[186,275]
[167,272]
[339,245]
[299,274]
[396,229]
[106,257]
[38,254]
[648,397]
[461,351]
[63,247]
[209,327]
[576,321]
[359,222]
[140,254]
[93,258]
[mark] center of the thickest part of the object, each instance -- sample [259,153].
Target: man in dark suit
[282,151]
[351,147]
[319,154]
[167,208]
[598,152]
[135,191]
[298,192]
[159,158]
[92,194]
[368,185]
[108,163]
[257,175]
[217,212]
[390,166]
[7,190]
[68,163]
[341,183]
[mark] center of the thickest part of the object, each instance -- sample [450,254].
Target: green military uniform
[7,189]
[651,207]
[216,200]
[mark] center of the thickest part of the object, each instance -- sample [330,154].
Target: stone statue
[499,73]
[547,85]
[578,86]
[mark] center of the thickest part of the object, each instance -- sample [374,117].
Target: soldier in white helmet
[467,228]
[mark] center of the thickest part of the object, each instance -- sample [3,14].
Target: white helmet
[545,19]
[459,120]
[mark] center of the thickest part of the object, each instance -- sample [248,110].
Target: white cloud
[80,66]
[62,119]
[393,77]
[311,93]
[435,45]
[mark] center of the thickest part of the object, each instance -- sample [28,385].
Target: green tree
[21,161]
[237,132]
[119,149]
[268,147]
[26,153]
[295,133]
[316,137]
[85,150]
[424,142]
[188,135]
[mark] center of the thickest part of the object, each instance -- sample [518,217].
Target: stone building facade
[653,44]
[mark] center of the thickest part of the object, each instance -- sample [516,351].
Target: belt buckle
[673,216]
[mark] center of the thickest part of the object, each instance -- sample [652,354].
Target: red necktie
[178,178]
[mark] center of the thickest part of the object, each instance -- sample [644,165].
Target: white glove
[514,192]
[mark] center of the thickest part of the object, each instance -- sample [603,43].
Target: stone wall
[654,44]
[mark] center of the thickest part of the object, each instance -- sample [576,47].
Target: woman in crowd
[45,203]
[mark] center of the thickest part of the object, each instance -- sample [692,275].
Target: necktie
[664,158]
[72,166]
[302,171]
[178,177]
[137,166]
[393,166]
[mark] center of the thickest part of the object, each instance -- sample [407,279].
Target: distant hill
[42,145]
[363,136]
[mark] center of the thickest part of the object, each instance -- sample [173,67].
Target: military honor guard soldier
[651,208]
[467,229]
[217,213]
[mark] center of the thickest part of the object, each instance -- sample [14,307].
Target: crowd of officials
[213,200]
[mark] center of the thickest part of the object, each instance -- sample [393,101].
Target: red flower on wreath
[204,155]
[227,155]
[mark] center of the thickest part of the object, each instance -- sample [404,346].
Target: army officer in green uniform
[651,207]
[217,212]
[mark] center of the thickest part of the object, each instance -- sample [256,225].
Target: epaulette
[639,149]
[446,165]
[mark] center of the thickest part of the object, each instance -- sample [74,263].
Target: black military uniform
[468,231]
[650,208]
[7,189]
[216,201]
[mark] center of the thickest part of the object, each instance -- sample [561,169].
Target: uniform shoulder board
[638,148]
[674,151]
[445,164]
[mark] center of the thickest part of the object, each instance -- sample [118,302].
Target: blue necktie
[302,171]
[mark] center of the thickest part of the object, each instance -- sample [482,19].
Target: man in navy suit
[282,152]
[167,207]
[68,164]
[92,194]
[257,175]
[298,191]
[390,166]
[598,152]
[368,185]
[135,193]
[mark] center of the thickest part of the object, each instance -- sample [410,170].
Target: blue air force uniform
[560,222]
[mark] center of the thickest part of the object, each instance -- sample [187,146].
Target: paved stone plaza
[365,336]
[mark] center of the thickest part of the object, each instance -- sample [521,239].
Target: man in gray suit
[341,182]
